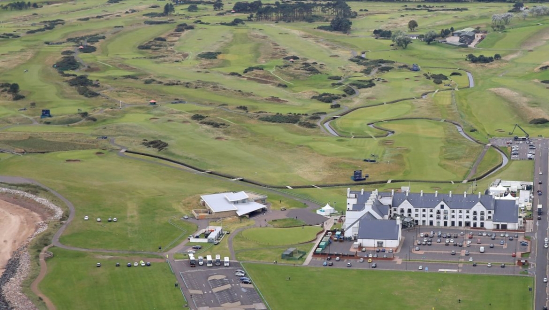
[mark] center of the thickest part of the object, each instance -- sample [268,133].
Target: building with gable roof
[371,217]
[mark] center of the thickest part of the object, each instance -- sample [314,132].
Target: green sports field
[331,288]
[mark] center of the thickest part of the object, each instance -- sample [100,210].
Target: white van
[218,260]
[200,261]
[209,261]
[481,249]
[226,261]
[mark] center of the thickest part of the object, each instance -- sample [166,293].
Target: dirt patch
[334,55]
[520,104]
[543,65]
[389,142]
[72,160]
[220,138]
[371,98]
[500,130]
[153,118]
[185,122]
[16,225]
[99,153]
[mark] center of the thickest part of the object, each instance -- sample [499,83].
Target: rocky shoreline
[18,267]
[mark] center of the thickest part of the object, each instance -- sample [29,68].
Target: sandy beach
[16,225]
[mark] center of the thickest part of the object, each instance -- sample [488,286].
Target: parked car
[546,245]
[489,265]
[86,218]
[502,242]
[374,265]
[330,263]
[544,280]
[248,281]
[361,260]
[491,245]
[502,265]
[467,253]
[325,263]
[197,247]
[420,268]
[470,259]
[514,254]
[369,260]
[474,264]
[453,253]
[349,265]
[417,248]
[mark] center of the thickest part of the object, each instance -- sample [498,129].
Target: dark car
[246,281]
[539,217]
[374,265]
[330,263]
[197,247]
[502,265]
[329,258]
[129,264]
[474,264]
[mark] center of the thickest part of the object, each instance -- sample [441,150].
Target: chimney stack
[436,193]
[348,192]
[464,194]
[392,192]
[421,193]
[407,193]
[479,195]
[362,192]
[450,194]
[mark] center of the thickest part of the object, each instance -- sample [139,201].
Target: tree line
[291,12]
[19,5]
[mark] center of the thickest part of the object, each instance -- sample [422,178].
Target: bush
[280,118]
[159,39]
[455,73]
[349,91]
[235,74]
[67,52]
[249,69]
[67,63]
[545,81]
[18,97]
[88,49]
[242,107]
[334,77]
[208,55]
[363,84]
[307,124]
[214,124]
[81,80]
[86,92]
[157,144]
[538,121]
[326,97]
[437,81]
[439,77]
[198,117]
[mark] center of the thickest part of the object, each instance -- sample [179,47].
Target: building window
[460,211]
[442,206]
[431,216]
[489,212]
[395,209]
[489,217]
[474,212]
[467,216]
[482,217]
[424,210]
[453,211]
[461,216]
[467,211]
[453,216]
[431,210]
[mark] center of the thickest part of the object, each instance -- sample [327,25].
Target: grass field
[149,199]
[108,287]
[386,289]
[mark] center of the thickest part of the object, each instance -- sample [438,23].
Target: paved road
[540,228]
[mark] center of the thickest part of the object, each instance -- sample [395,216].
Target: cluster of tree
[517,6]
[281,118]
[88,49]
[242,107]
[80,80]
[13,89]
[19,5]
[380,33]
[401,39]
[540,10]
[168,9]
[338,24]
[192,8]
[198,117]
[299,11]
[157,22]
[446,32]
[500,20]
[482,59]
[218,5]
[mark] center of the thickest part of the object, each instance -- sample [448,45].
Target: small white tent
[327,210]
